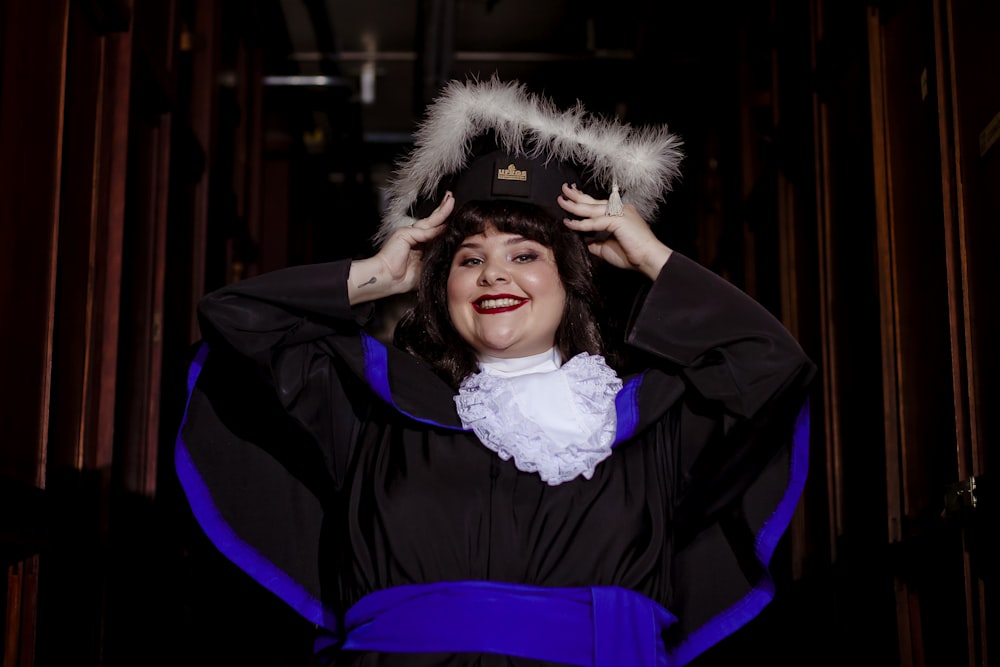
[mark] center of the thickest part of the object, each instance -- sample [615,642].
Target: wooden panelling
[787,268]
[33,61]
[254,165]
[832,444]
[204,50]
[969,122]
[247,146]
[72,598]
[975,116]
[845,493]
[918,286]
[887,324]
[144,247]
[850,409]
[276,171]
[78,251]
[144,256]
[110,220]
[32,80]
[919,301]
[21,610]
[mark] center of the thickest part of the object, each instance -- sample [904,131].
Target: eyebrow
[511,241]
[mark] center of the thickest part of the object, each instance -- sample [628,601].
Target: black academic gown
[328,465]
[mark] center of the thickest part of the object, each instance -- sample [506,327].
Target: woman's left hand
[630,243]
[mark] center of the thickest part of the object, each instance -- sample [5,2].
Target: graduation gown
[328,465]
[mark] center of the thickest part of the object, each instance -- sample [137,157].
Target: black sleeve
[728,347]
[280,325]
[747,379]
[258,315]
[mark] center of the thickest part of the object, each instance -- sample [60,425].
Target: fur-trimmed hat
[495,140]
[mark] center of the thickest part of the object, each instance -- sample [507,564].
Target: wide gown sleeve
[280,323]
[736,443]
[744,371]
[271,415]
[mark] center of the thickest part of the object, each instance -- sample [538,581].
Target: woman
[489,491]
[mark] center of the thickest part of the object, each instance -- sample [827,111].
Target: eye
[470,261]
[526,257]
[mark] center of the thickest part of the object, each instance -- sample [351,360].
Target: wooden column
[32,85]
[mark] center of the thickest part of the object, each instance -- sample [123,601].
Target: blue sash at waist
[595,626]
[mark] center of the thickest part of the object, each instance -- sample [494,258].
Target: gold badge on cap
[512,173]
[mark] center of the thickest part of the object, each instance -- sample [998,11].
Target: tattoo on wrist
[371,281]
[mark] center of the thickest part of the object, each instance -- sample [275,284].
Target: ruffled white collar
[555,419]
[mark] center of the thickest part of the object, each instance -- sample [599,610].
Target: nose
[492,273]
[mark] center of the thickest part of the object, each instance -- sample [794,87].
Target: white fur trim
[643,161]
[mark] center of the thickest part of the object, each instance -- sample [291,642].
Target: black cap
[488,140]
[494,173]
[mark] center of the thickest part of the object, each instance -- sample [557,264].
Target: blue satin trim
[225,539]
[596,626]
[377,376]
[627,409]
[746,609]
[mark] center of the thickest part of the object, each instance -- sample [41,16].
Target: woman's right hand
[395,269]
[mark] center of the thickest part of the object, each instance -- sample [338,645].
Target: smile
[498,304]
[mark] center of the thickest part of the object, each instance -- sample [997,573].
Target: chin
[495,347]
[495,350]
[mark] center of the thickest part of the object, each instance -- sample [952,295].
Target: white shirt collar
[549,360]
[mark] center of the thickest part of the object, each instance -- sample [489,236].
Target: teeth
[498,303]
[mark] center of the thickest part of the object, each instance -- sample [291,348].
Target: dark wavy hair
[426,330]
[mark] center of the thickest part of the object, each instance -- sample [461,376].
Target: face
[505,296]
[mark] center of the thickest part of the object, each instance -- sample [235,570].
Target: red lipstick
[490,304]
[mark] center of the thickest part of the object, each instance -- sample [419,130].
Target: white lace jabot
[555,419]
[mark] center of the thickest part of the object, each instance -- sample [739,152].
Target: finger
[423,234]
[610,252]
[583,210]
[573,193]
[414,235]
[589,225]
[438,215]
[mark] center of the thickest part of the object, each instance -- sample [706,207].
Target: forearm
[370,279]
[653,262]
